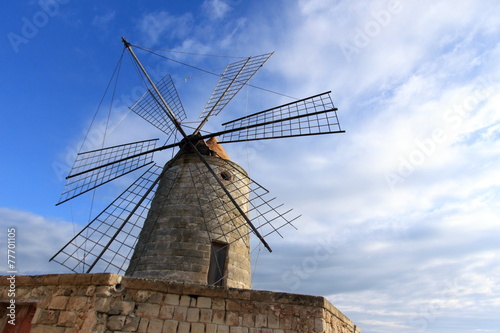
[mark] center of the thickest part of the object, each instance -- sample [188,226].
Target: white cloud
[157,26]
[216,9]
[103,20]
[37,240]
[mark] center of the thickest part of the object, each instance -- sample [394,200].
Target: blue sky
[400,223]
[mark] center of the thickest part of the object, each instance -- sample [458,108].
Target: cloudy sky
[400,224]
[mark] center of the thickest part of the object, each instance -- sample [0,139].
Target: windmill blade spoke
[221,216]
[309,116]
[150,107]
[97,167]
[235,76]
[107,243]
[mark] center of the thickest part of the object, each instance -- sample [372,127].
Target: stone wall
[112,303]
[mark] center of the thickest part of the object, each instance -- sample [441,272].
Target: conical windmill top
[191,220]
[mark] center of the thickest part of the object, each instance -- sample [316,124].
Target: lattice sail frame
[235,76]
[151,109]
[309,116]
[107,243]
[271,218]
[97,167]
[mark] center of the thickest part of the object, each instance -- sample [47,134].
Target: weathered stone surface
[122,307]
[155,326]
[67,318]
[131,324]
[147,310]
[155,306]
[116,323]
[193,315]
[58,302]
[170,326]
[77,303]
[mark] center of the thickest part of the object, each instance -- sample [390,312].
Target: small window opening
[217,268]
[226,175]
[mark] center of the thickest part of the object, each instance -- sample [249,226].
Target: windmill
[190,220]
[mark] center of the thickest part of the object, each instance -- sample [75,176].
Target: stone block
[286,322]
[167,312]
[82,279]
[103,305]
[238,330]
[248,320]
[143,325]
[204,302]
[172,299]
[185,300]
[106,279]
[218,304]
[205,315]
[155,326]
[273,320]
[193,315]
[142,295]
[170,326]
[261,320]
[122,307]
[319,324]
[103,291]
[77,303]
[66,279]
[183,328]
[180,313]
[58,302]
[90,291]
[233,305]
[156,298]
[210,328]
[232,318]
[48,317]
[197,328]
[222,329]
[67,318]
[52,279]
[147,310]
[46,329]
[116,323]
[131,324]
[218,316]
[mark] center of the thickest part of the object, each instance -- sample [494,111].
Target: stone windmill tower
[191,220]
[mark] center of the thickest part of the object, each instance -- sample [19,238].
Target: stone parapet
[113,303]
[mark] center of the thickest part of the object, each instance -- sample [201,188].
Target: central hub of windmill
[206,148]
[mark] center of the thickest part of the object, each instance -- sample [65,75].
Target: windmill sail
[108,241]
[97,167]
[235,76]
[219,215]
[309,116]
[150,107]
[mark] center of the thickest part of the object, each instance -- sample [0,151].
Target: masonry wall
[112,303]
